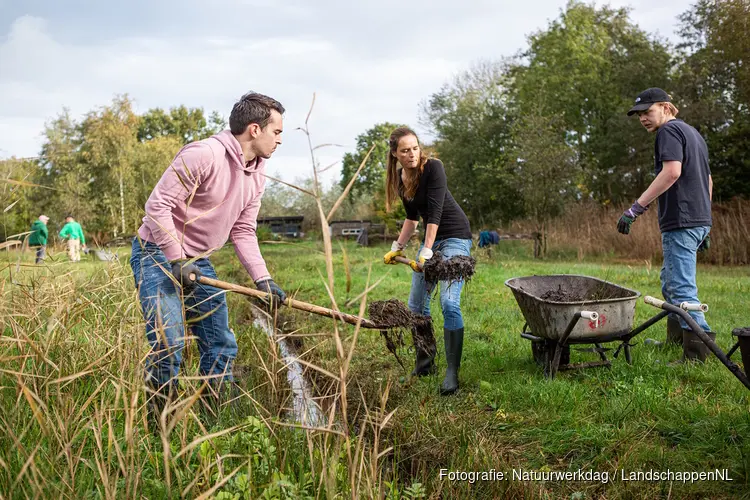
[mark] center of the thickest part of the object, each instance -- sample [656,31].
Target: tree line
[521,137]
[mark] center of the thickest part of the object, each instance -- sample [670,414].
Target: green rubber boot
[454,344]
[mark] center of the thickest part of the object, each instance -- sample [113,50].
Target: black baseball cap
[646,98]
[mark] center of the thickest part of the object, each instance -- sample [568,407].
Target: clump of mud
[394,317]
[458,268]
[390,314]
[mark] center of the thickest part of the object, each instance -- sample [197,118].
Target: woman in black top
[421,185]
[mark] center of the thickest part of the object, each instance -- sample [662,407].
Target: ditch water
[304,408]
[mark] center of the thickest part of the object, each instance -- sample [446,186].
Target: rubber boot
[424,345]
[674,331]
[693,348]
[674,335]
[454,344]
[425,363]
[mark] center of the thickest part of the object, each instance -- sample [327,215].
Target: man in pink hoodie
[209,194]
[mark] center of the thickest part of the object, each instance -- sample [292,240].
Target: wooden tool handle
[294,304]
[406,261]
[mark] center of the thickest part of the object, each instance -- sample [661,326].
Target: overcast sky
[368,61]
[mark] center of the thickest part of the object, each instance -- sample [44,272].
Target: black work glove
[182,269]
[705,244]
[268,285]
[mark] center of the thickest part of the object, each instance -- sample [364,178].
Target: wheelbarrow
[554,305]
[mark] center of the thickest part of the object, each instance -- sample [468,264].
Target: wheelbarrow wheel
[545,350]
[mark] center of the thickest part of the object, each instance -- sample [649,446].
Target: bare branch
[290,185]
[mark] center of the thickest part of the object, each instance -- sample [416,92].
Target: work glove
[268,285]
[397,250]
[424,255]
[182,269]
[629,216]
[705,244]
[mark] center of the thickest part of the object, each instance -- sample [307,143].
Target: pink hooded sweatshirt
[207,196]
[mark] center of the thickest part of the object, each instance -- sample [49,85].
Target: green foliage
[371,178]
[545,167]
[472,119]
[188,124]
[586,68]
[713,85]
[103,168]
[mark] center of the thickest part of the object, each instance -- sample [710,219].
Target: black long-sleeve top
[435,204]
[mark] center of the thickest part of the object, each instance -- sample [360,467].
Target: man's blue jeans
[450,293]
[205,310]
[678,283]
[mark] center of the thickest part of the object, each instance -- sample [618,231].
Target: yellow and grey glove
[397,250]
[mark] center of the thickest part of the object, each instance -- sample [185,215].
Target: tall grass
[589,229]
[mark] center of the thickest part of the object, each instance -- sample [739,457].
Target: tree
[372,176]
[471,119]
[586,67]
[713,87]
[545,168]
[108,147]
[189,124]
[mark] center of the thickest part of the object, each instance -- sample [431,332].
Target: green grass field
[72,414]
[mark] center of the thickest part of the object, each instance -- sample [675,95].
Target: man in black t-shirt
[683,187]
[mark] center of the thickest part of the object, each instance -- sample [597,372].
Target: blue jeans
[205,310]
[678,283]
[450,293]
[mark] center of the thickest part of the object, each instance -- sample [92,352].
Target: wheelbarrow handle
[416,266]
[294,304]
[685,306]
[696,329]
[592,315]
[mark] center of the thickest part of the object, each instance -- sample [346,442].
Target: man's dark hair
[252,108]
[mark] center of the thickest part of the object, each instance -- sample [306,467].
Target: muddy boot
[454,344]
[425,363]
[693,348]
[425,348]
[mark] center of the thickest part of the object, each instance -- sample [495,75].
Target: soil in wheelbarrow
[602,292]
[458,268]
[395,318]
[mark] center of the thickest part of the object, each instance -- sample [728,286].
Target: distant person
[210,193]
[73,232]
[38,237]
[683,186]
[422,186]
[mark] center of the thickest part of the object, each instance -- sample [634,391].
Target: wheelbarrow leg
[626,349]
[555,364]
[602,356]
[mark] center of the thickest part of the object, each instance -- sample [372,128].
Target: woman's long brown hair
[391,177]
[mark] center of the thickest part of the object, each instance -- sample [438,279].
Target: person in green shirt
[38,237]
[73,232]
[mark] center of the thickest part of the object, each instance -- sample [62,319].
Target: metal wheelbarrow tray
[565,309]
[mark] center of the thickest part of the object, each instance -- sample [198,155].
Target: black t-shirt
[687,202]
[434,203]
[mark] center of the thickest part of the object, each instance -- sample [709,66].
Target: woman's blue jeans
[204,310]
[678,283]
[450,293]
